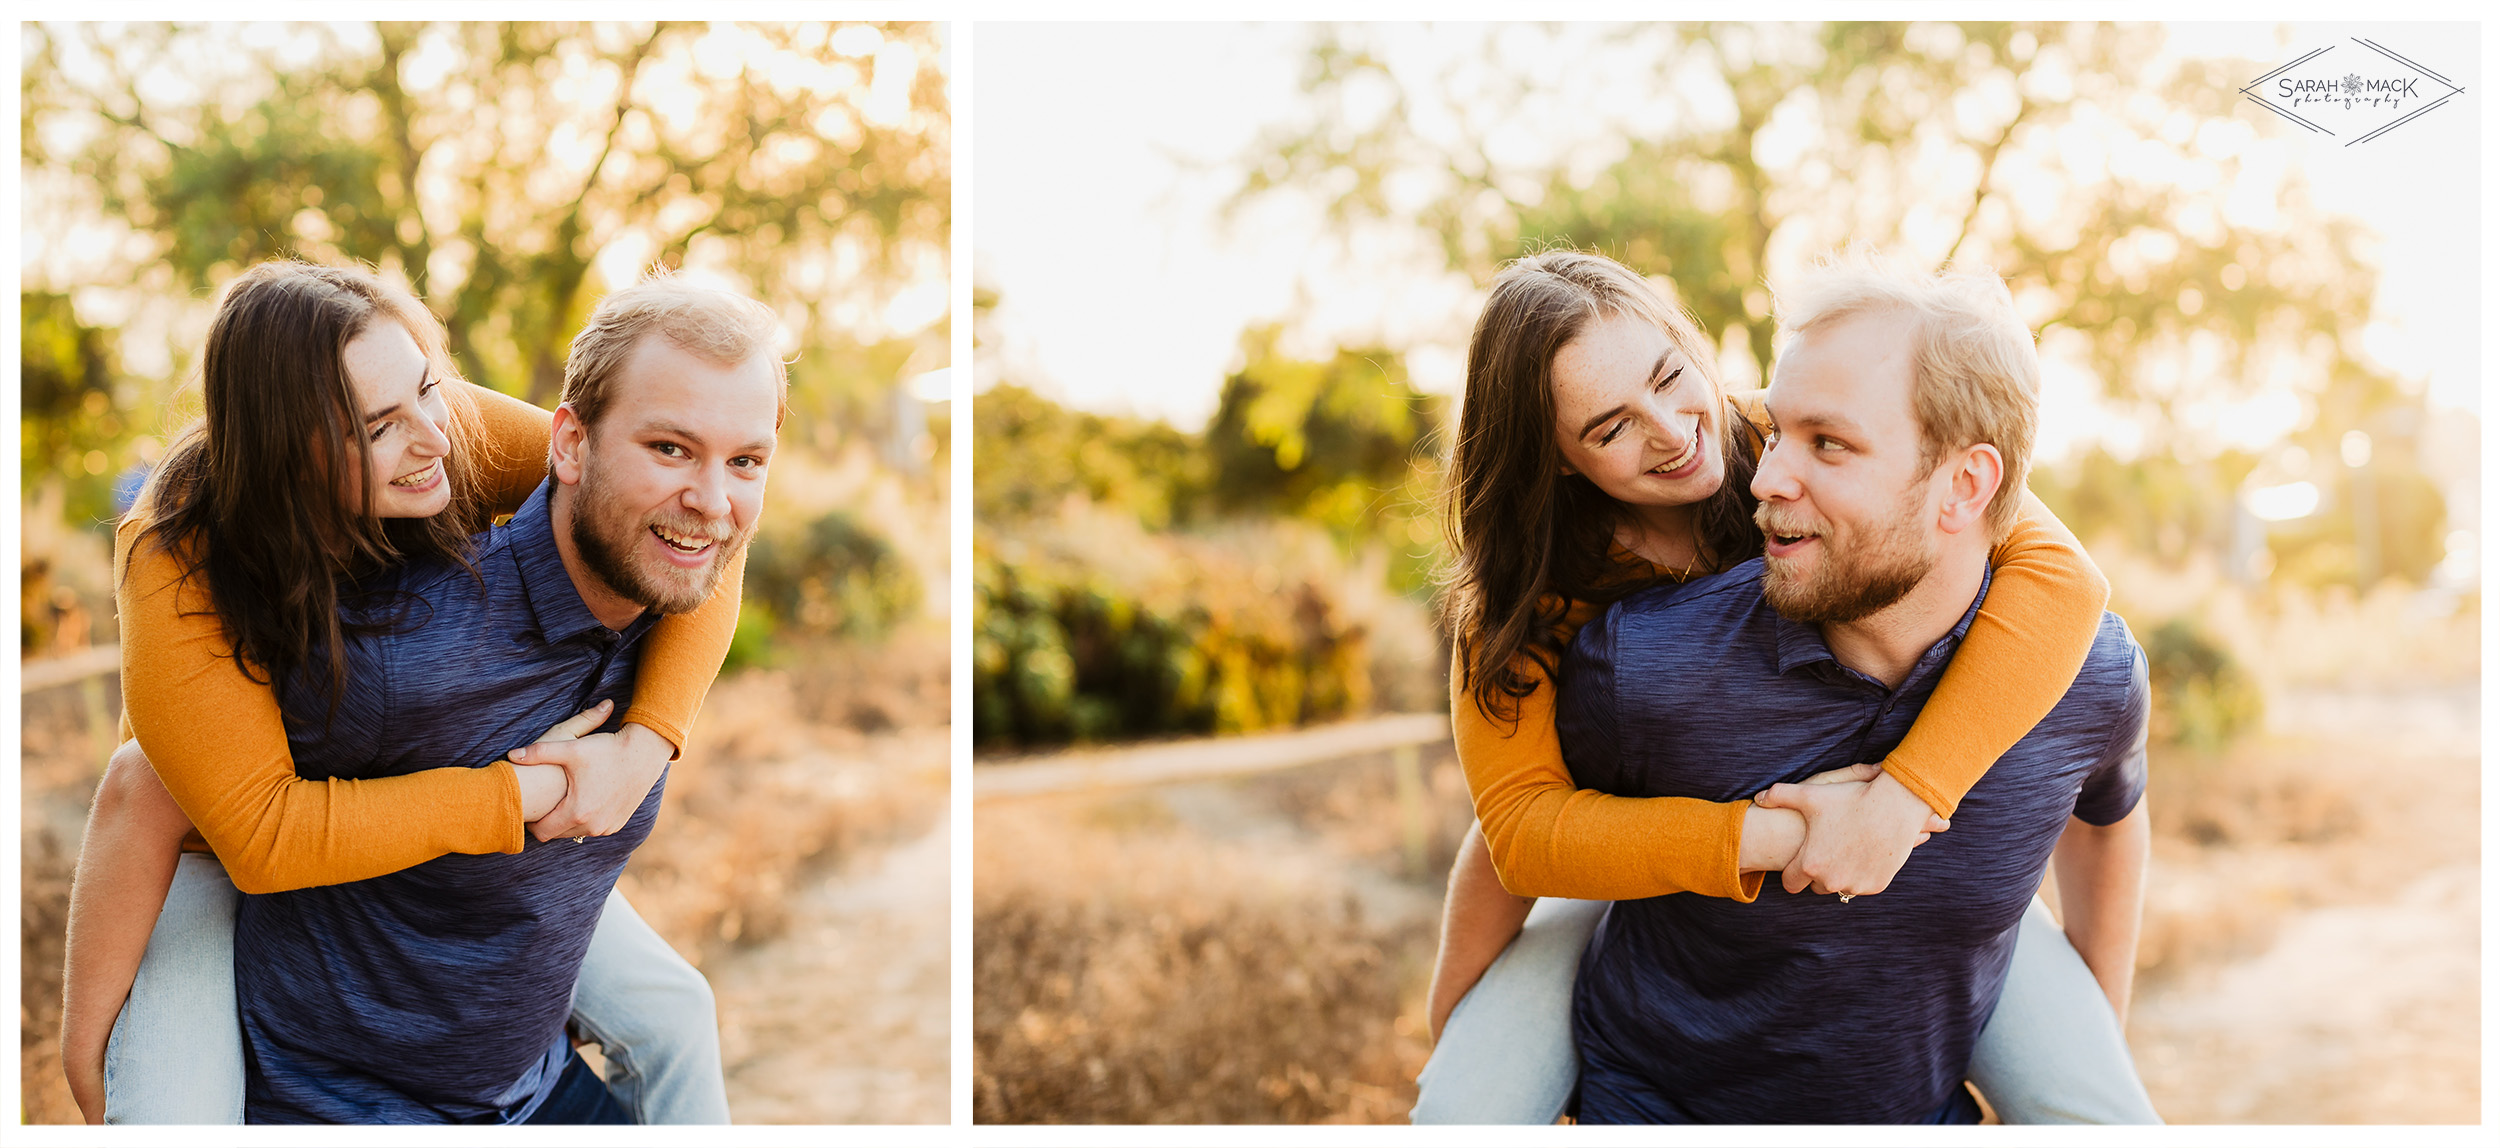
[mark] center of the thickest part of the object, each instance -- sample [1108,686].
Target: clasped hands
[1861,824]
[575,783]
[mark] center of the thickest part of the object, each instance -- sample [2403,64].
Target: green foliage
[74,395]
[1331,442]
[1885,131]
[759,149]
[831,577]
[1067,654]
[2202,697]
[1030,454]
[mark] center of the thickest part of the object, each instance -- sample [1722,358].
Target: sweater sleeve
[684,652]
[2019,657]
[216,739]
[1551,838]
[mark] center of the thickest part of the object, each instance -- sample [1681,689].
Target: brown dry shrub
[1164,978]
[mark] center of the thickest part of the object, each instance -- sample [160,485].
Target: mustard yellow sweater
[217,741]
[1551,838]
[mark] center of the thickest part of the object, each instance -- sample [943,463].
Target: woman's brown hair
[249,499]
[1528,538]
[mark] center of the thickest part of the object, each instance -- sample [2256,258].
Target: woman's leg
[2052,1052]
[1506,1055]
[652,1015]
[176,1053]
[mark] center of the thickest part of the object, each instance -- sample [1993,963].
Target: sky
[1097,215]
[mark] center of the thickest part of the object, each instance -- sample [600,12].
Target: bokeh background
[1221,316]
[512,173]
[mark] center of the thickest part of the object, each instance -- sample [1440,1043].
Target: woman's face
[1635,416]
[405,415]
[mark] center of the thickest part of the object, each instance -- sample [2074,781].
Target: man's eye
[670,449]
[1829,443]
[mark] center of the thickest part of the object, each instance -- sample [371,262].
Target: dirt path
[2357,1014]
[2363,1003]
[833,1020]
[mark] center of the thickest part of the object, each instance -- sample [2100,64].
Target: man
[440,993]
[1904,407]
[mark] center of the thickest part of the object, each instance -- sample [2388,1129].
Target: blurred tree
[2102,194]
[1030,454]
[73,396]
[1329,441]
[490,163]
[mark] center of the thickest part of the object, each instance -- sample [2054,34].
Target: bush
[833,577]
[1062,652]
[2202,698]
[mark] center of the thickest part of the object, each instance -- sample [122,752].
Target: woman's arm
[219,745]
[2019,657]
[1547,837]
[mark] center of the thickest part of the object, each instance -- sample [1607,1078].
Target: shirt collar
[555,603]
[1800,644]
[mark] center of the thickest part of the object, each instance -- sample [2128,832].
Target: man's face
[1849,512]
[672,477]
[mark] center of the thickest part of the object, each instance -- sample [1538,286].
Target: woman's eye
[376,434]
[1613,432]
[1669,381]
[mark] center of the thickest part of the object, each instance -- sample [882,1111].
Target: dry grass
[791,772]
[1252,951]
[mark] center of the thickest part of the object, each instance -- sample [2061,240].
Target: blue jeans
[2050,1054]
[176,1053]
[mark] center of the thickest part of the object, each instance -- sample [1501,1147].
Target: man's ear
[566,446]
[1975,474]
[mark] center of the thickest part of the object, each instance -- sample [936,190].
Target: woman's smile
[422,480]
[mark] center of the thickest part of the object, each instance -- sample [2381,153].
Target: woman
[337,441]
[1568,490]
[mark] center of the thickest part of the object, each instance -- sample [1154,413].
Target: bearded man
[1904,407]
[439,993]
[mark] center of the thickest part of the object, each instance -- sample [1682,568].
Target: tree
[491,164]
[2100,193]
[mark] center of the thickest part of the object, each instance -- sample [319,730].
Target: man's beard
[607,539]
[1877,569]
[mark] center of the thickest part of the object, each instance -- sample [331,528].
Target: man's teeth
[684,543]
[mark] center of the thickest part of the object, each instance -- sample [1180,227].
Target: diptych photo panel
[1360,572]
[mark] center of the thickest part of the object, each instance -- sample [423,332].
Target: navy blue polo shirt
[1798,1008]
[439,994]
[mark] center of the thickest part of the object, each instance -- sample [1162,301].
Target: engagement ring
[586,837]
[1844,898]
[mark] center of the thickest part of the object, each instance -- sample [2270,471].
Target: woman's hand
[1860,827]
[609,775]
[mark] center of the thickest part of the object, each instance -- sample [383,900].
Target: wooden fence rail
[1204,759]
[45,673]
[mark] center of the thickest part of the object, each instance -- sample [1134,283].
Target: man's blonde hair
[717,325]
[1974,372]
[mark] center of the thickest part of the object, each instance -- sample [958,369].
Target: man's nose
[1775,476]
[707,492]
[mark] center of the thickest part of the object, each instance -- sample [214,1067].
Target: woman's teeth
[420,478]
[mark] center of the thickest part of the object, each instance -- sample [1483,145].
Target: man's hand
[1860,826]
[610,774]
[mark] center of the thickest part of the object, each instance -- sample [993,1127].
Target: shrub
[2202,697]
[832,577]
